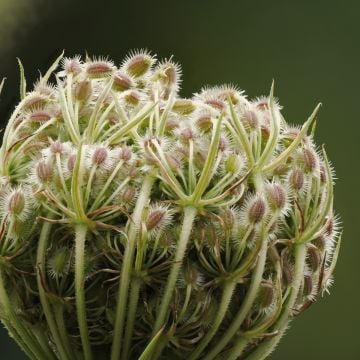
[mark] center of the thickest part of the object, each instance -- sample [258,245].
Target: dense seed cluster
[136,224]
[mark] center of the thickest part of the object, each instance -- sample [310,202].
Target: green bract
[136,224]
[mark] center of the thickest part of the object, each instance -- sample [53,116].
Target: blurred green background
[310,48]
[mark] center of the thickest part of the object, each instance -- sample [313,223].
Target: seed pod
[251,119]
[308,286]
[266,295]
[16,202]
[183,106]
[44,171]
[310,159]
[313,258]
[256,210]
[296,179]
[138,64]
[276,196]
[122,82]
[83,90]
[99,68]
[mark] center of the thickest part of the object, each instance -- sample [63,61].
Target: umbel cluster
[137,224]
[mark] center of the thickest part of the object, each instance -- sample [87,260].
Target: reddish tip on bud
[297,179]
[256,210]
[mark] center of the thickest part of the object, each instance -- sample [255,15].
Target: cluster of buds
[136,224]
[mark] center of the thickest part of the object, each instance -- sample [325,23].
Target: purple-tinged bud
[222,144]
[183,106]
[39,116]
[56,147]
[16,202]
[276,196]
[173,161]
[296,179]
[187,134]
[310,159]
[216,104]
[99,156]
[44,171]
[35,101]
[313,258]
[83,90]
[251,119]
[322,173]
[139,64]
[99,69]
[155,218]
[122,82]
[72,66]
[125,153]
[128,194]
[256,210]
[71,162]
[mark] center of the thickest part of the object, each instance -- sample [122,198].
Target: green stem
[247,304]
[189,216]
[127,265]
[59,318]
[265,348]
[238,349]
[134,298]
[80,237]
[40,261]
[224,304]
[17,325]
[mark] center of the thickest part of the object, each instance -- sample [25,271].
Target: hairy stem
[80,237]
[40,261]
[224,304]
[247,304]
[189,216]
[265,348]
[127,265]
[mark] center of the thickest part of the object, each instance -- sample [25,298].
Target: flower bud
[251,119]
[71,66]
[122,82]
[99,156]
[183,106]
[16,202]
[276,196]
[138,64]
[99,68]
[132,97]
[266,295]
[59,263]
[40,116]
[310,159]
[83,90]
[44,171]
[296,179]
[56,147]
[256,210]
[313,258]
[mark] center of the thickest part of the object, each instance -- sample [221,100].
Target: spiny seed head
[296,179]
[112,176]
[139,63]
[44,171]
[256,210]
[16,202]
[276,196]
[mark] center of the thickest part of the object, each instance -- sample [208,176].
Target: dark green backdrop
[310,48]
